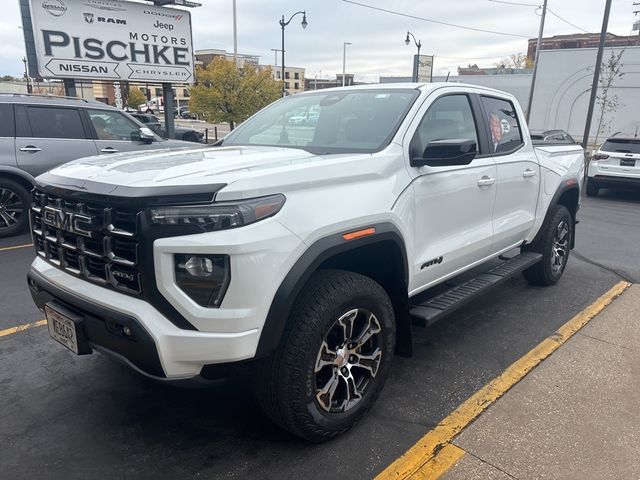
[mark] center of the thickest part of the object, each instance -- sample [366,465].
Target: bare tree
[515,60]
[610,72]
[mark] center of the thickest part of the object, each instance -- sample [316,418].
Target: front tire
[554,244]
[14,208]
[334,357]
[592,188]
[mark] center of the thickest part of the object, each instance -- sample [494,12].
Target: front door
[115,132]
[453,204]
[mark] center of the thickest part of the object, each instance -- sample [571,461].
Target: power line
[434,21]
[565,20]
[516,3]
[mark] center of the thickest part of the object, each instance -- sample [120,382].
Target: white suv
[615,165]
[302,251]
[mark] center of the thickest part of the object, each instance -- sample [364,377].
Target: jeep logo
[68,221]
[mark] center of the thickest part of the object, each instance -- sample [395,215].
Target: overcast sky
[377,38]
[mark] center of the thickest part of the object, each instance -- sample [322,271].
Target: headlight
[204,278]
[218,216]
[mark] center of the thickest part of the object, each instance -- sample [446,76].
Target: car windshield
[621,145]
[343,121]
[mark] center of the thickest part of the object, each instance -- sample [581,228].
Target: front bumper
[160,349]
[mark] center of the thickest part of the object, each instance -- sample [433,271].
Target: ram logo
[68,221]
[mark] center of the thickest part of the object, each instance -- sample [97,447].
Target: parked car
[616,164]
[183,112]
[303,253]
[38,133]
[554,136]
[181,133]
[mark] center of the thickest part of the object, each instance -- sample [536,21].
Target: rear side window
[621,145]
[6,120]
[503,124]
[55,122]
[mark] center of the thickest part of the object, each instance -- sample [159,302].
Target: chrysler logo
[69,221]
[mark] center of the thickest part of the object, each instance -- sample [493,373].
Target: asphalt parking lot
[88,417]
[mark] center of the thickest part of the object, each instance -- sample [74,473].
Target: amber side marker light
[359,233]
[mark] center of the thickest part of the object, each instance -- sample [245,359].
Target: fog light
[199,266]
[204,278]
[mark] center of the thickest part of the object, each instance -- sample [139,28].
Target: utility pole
[535,62]
[276,50]
[596,73]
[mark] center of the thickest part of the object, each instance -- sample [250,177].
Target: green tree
[610,72]
[7,78]
[136,97]
[228,94]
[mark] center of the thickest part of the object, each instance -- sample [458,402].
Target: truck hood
[181,167]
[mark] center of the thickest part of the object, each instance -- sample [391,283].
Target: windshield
[329,122]
[621,145]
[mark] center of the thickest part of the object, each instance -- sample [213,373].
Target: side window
[6,120]
[112,125]
[449,117]
[55,122]
[503,124]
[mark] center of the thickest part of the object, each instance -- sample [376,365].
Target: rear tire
[554,244]
[592,188]
[14,208]
[333,359]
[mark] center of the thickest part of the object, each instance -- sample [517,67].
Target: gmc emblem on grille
[69,221]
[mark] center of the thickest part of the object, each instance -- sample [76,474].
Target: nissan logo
[57,8]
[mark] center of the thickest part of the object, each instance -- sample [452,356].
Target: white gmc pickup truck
[302,252]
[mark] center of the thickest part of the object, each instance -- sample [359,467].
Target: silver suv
[38,133]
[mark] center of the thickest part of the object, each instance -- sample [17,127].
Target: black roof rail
[45,95]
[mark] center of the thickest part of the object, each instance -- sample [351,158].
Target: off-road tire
[20,192]
[542,273]
[592,188]
[286,383]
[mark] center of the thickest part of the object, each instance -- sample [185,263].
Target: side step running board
[437,307]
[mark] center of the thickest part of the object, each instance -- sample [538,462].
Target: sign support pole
[167,94]
[70,87]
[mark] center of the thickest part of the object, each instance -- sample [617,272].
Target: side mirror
[443,153]
[143,135]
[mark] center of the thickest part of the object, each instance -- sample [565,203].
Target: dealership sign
[112,40]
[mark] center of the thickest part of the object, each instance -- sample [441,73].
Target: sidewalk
[575,416]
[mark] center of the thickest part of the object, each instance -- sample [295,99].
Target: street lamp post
[344,62]
[282,25]
[415,63]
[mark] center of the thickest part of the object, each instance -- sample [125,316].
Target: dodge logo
[71,222]
[88,17]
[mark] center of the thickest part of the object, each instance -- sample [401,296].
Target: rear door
[48,136]
[7,135]
[113,132]
[518,180]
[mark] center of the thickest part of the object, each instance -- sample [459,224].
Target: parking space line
[22,328]
[435,441]
[15,247]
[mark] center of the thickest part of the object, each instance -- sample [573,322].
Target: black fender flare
[565,186]
[307,264]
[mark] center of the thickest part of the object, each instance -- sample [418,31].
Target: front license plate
[62,329]
[627,162]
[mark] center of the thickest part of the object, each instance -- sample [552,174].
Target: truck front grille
[96,242]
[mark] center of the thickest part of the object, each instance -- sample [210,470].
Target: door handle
[486,181]
[528,173]
[109,150]
[30,149]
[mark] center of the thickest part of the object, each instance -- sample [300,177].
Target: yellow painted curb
[440,463]
[15,247]
[22,328]
[438,439]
